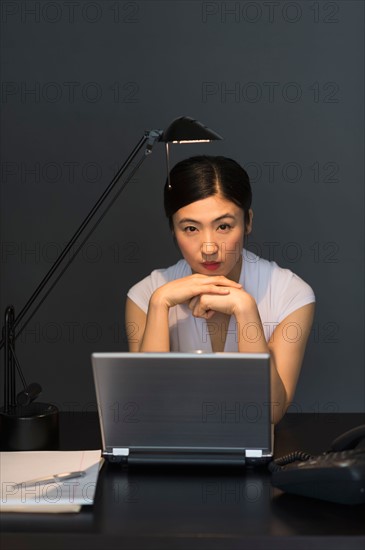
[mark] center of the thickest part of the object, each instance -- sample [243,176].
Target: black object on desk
[337,475]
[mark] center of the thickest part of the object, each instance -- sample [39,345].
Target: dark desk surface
[196,508]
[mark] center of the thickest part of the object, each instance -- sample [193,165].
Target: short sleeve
[291,293]
[141,293]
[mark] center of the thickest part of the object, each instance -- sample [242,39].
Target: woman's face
[210,235]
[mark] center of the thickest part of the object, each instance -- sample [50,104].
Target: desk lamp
[26,424]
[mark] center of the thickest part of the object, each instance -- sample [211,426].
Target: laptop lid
[184,407]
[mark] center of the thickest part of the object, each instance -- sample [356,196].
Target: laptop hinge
[120,451]
[116,454]
[253,453]
[184,457]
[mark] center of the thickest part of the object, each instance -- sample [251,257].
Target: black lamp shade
[187,129]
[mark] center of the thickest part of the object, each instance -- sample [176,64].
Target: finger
[193,302]
[209,314]
[213,289]
[221,280]
[197,309]
[202,312]
[202,307]
[216,279]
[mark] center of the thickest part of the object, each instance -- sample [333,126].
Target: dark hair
[200,177]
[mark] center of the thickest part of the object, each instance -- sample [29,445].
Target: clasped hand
[205,295]
[206,305]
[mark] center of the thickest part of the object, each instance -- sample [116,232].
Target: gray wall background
[282,82]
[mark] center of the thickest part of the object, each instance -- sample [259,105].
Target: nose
[209,248]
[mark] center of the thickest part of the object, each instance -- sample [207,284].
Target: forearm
[251,339]
[279,402]
[156,336]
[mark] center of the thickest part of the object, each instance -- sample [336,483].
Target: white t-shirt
[277,292]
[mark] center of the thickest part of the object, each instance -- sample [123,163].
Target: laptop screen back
[183,401]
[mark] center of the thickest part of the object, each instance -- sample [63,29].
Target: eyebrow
[190,220]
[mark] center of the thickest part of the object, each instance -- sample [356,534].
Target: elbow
[280,402]
[278,412]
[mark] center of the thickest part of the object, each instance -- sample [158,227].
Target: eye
[189,229]
[224,227]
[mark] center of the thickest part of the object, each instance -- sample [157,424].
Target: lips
[212,266]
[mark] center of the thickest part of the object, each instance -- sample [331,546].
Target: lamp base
[29,428]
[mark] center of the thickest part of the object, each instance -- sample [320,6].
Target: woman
[221,297]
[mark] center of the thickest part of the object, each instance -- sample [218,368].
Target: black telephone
[338,475]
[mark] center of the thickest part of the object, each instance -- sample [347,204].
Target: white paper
[23,466]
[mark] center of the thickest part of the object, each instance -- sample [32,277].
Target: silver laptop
[184,408]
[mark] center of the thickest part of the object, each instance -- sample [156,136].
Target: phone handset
[350,440]
[338,475]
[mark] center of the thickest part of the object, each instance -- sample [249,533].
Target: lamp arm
[25,425]
[151,137]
